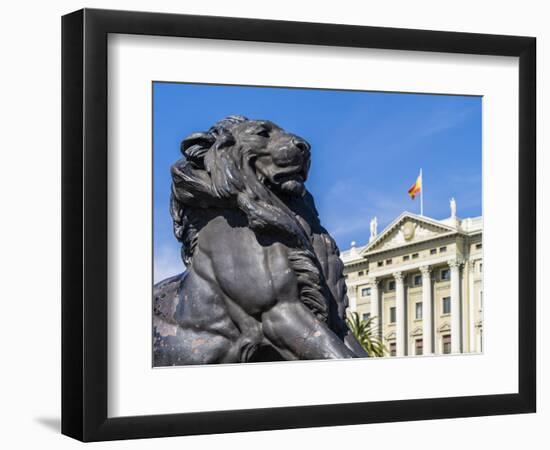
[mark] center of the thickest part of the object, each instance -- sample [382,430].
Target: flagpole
[421,193]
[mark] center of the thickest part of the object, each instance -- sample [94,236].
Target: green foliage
[367,334]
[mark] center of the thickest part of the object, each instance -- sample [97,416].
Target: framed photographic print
[273,224]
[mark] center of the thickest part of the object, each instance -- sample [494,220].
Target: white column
[375,306]
[427,321]
[471,307]
[352,297]
[479,340]
[456,328]
[400,314]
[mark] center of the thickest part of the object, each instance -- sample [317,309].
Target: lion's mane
[215,175]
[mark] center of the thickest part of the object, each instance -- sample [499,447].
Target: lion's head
[252,165]
[258,169]
[280,159]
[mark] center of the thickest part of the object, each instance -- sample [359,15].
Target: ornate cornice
[391,335]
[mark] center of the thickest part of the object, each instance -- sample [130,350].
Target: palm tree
[367,334]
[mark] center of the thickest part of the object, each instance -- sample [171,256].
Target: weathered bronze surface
[263,278]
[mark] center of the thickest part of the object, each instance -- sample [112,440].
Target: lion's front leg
[293,328]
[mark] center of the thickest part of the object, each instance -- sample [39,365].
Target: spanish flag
[416,187]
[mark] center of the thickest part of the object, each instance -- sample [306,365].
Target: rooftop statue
[452,204]
[263,278]
[373,229]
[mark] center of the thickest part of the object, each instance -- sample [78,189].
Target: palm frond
[366,332]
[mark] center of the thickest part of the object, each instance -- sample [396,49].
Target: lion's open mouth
[283,177]
[291,182]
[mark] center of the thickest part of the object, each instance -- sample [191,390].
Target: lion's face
[281,159]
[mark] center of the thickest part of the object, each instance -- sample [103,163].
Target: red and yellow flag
[416,187]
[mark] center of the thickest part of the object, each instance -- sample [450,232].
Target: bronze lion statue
[263,278]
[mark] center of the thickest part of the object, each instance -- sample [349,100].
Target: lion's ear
[194,147]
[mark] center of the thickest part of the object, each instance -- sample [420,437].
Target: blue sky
[367,149]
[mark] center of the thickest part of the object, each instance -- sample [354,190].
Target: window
[365,292]
[418,310]
[393,349]
[388,261]
[446,305]
[406,258]
[446,341]
[433,251]
[361,273]
[391,285]
[414,255]
[380,263]
[478,246]
[366,316]
[442,249]
[480,267]
[392,314]
[417,280]
[418,347]
[445,274]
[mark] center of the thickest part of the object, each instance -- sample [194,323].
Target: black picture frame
[84,224]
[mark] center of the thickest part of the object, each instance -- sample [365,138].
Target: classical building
[421,281]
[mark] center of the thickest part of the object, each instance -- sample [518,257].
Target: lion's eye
[263,133]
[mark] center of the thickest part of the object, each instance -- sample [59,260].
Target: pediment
[416,332]
[445,327]
[407,229]
[390,336]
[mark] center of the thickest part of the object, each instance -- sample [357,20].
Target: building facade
[421,280]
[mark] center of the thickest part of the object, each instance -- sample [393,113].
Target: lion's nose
[300,144]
